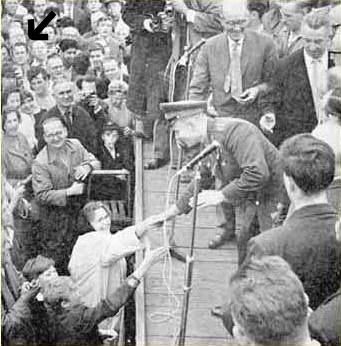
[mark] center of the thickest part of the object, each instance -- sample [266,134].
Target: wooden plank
[139,295]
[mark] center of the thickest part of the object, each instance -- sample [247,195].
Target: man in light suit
[237,65]
[294,104]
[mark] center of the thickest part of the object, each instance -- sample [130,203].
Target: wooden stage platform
[212,269]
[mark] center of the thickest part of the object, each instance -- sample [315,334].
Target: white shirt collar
[309,60]
[232,42]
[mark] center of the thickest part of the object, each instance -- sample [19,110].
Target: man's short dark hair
[81,63]
[267,300]
[35,71]
[36,266]
[65,22]
[95,46]
[52,8]
[309,161]
[260,6]
[67,43]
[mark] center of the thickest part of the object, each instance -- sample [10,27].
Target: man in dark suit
[294,104]
[307,239]
[236,65]
[78,121]
[247,167]
[150,52]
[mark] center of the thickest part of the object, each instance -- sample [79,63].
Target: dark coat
[77,325]
[290,99]
[325,322]
[307,241]
[150,53]
[248,167]
[258,63]
[83,128]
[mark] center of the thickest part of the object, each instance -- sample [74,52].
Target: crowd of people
[260,77]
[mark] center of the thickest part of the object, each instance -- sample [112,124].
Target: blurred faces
[114,10]
[88,88]
[96,58]
[69,56]
[55,68]
[63,94]
[11,124]
[39,85]
[101,220]
[39,50]
[116,96]
[11,7]
[47,275]
[28,106]
[39,7]
[55,133]
[236,19]
[104,27]
[13,100]
[50,31]
[16,35]
[110,137]
[316,42]
[111,69]
[94,6]
[20,56]
[291,16]
[191,131]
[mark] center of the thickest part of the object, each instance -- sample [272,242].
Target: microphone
[207,151]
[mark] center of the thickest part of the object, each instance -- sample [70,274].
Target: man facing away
[268,305]
[307,239]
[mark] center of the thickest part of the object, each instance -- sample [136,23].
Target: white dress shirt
[318,80]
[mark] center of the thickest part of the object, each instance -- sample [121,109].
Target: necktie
[235,74]
[68,120]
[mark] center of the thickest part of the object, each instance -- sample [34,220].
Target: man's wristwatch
[133,281]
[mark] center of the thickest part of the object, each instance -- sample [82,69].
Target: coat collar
[53,153]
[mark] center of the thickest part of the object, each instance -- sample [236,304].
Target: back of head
[36,266]
[57,290]
[268,301]
[318,19]
[309,161]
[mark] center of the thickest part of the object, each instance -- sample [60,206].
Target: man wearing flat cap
[247,167]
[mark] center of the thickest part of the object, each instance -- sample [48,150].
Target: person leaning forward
[247,166]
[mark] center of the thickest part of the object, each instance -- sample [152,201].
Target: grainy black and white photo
[171,173]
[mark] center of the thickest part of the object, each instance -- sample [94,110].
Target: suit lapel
[245,54]
[302,78]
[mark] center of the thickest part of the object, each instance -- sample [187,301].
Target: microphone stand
[189,262]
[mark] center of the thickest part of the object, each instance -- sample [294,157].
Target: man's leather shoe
[154,164]
[219,240]
[177,255]
[217,311]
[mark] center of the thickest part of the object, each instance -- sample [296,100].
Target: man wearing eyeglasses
[58,175]
[236,67]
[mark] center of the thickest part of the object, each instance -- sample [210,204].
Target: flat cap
[180,109]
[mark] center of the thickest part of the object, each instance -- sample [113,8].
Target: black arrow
[35,33]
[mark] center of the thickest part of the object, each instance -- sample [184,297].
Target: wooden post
[139,295]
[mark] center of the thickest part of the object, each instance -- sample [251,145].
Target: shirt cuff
[190,16]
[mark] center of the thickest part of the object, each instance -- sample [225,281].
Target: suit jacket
[325,322]
[290,99]
[83,127]
[207,20]
[307,241]
[248,167]
[258,62]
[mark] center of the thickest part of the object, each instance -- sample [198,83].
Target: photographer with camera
[89,87]
[151,48]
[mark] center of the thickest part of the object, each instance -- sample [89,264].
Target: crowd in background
[74,103]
